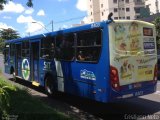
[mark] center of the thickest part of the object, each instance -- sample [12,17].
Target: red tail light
[114,78]
[155,72]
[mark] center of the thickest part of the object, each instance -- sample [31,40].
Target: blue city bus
[103,61]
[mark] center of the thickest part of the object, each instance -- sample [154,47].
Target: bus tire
[49,86]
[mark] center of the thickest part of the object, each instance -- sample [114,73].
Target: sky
[30,21]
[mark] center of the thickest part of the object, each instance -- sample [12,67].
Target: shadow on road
[82,108]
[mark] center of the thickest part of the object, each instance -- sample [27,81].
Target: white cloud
[41,13]
[62,0]
[13,7]
[7,17]
[5,26]
[31,25]
[29,11]
[82,5]
[34,27]
[23,19]
[85,20]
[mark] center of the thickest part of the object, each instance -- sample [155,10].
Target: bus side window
[25,49]
[18,49]
[48,47]
[12,49]
[89,45]
[65,47]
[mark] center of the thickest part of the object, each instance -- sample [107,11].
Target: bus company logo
[85,74]
[25,69]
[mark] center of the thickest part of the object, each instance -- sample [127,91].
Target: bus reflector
[114,78]
[35,83]
[155,72]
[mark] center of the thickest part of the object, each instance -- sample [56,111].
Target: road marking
[157,92]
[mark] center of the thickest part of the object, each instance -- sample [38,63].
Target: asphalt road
[145,107]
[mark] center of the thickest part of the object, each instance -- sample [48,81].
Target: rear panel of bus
[133,59]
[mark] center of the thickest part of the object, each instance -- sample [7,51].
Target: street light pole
[42,26]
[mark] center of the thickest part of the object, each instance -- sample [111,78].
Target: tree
[8,34]
[157,25]
[3,2]
[1,44]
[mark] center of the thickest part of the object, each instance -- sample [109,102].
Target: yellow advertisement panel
[133,50]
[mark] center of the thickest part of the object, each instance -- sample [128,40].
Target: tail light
[155,72]
[114,78]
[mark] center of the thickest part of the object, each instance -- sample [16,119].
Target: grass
[20,103]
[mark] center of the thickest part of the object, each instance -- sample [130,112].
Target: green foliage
[19,102]
[4,95]
[3,2]
[1,44]
[8,34]
[157,24]
[29,3]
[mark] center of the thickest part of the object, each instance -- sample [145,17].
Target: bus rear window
[147,31]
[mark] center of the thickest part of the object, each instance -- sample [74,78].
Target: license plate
[137,85]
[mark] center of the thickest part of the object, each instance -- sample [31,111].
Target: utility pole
[52,26]
[157,6]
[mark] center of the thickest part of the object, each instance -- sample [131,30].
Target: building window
[91,20]
[116,18]
[115,10]
[137,17]
[128,17]
[91,13]
[114,1]
[137,10]
[127,9]
[127,1]
[122,8]
[101,5]
[90,6]
[119,17]
[102,13]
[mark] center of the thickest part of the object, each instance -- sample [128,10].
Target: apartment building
[98,10]
[154,6]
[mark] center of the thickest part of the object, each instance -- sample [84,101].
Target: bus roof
[73,29]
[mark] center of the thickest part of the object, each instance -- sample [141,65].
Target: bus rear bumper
[116,96]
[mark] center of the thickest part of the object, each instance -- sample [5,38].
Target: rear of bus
[133,59]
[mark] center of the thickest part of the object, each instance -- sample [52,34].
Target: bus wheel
[49,86]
